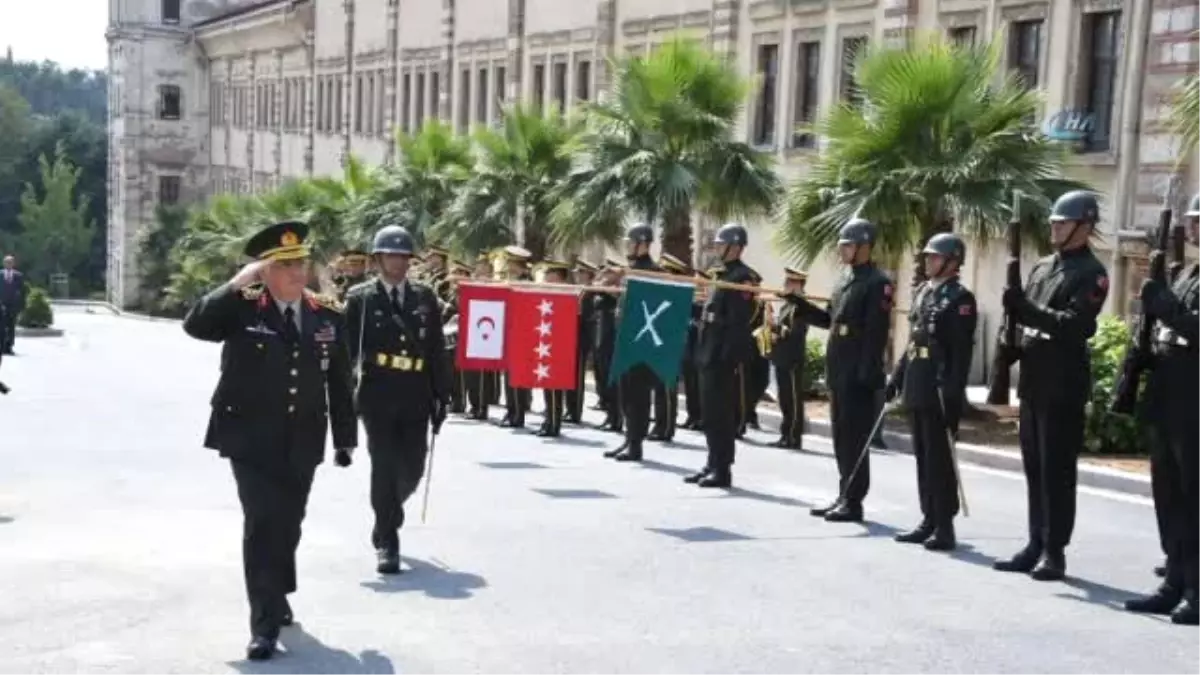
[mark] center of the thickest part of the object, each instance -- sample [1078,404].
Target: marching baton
[953,443]
[428,476]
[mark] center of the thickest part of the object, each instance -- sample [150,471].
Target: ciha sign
[1070,125]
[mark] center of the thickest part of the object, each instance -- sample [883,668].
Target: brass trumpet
[764,335]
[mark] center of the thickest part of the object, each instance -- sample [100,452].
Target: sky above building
[70,32]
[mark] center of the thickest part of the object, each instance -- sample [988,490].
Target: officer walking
[932,375]
[585,275]
[1057,312]
[12,297]
[789,354]
[285,365]
[638,382]
[604,311]
[396,339]
[1172,399]
[724,342]
[857,318]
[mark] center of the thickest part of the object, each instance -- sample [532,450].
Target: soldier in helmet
[1057,312]
[858,318]
[396,339]
[638,382]
[724,343]
[1172,399]
[932,375]
[604,317]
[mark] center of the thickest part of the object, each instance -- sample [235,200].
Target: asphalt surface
[120,550]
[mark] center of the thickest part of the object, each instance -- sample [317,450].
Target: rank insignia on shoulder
[328,302]
[252,292]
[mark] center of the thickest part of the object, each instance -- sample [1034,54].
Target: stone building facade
[236,96]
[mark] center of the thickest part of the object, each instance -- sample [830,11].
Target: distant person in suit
[12,296]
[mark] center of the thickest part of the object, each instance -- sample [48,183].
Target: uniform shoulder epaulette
[328,302]
[253,292]
[360,287]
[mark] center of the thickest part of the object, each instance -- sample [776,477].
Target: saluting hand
[250,274]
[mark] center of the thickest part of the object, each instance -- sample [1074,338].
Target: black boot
[1024,561]
[820,511]
[917,535]
[616,451]
[943,538]
[286,617]
[697,477]
[846,512]
[1160,571]
[717,479]
[260,648]
[630,454]
[387,562]
[1187,614]
[1052,568]
[1162,601]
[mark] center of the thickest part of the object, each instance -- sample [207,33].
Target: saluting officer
[1057,313]
[517,400]
[691,371]
[857,317]
[584,275]
[789,354]
[285,370]
[1172,399]
[605,316]
[396,339]
[666,399]
[554,272]
[932,375]
[724,342]
[638,382]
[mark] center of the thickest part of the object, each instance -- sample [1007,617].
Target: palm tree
[661,147]
[942,140]
[1185,116]
[514,184]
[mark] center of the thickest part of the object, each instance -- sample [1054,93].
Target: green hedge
[1106,433]
[37,312]
[814,368]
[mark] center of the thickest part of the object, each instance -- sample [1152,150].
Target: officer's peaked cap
[281,241]
[639,233]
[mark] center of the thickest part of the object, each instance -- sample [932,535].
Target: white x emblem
[648,327]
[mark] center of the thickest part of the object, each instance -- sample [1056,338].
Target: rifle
[1178,239]
[998,390]
[1137,354]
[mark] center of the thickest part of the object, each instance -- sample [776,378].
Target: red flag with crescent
[482,319]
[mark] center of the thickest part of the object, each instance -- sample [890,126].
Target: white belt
[1035,333]
[1167,336]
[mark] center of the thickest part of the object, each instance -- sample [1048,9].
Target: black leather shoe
[260,648]
[1161,571]
[943,539]
[387,562]
[1024,561]
[697,477]
[629,455]
[779,443]
[917,535]
[286,618]
[820,511]
[616,451]
[1187,614]
[1162,601]
[656,436]
[716,480]
[689,423]
[1052,568]
[845,513]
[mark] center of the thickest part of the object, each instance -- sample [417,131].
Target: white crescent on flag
[485,329]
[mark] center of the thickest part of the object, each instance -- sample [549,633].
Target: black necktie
[290,331]
[396,299]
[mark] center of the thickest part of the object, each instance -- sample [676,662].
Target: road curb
[113,309]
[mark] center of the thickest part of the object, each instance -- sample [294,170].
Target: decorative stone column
[252,123]
[391,82]
[309,102]
[446,91]
[606,46]
[348,89]
[278,117]
[516,50]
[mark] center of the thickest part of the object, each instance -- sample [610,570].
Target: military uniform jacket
[791,341]
[403,369]
[941,341]
[858,318]
[275,400]
[587,322]
[1173,390]
[604,318]
[725,338]
[1064,294]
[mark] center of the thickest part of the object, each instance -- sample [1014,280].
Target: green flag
[654,323]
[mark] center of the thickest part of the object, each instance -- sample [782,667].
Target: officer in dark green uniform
[638,382]
[858,318]
[754,374]
[516,400]
[932,375]
[584,275]
[285,367]
[397,341]
[1169,410]
[554,272]
[789,354]
[666,399]
[604,312]
[691,371]
[352,271]
[1057,312]
[725,341]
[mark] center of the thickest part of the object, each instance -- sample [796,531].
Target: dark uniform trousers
[791,386]
[717,380]
[458,382]
[636,385]
[552,422]
[1064,294]
[858,318]
[691,370]
[398,448]
[937,482]
[517,401]
[666,409]
[480,387]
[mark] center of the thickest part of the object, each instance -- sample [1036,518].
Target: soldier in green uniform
[396,339]
[1057,312]
[691,371]
[666,399]
[725,341]
[516,400]
[584,275]
[788,354]
[285,371]
[932,377]
[638,382]
[555,272]
[857,318]
[1169,410]
[754,374]
[604,312]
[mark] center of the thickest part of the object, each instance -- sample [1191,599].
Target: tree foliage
[56,232]
[50,90]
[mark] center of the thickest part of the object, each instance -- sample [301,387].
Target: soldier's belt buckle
[381,360]
[401,363]
[843,330]
[919,353]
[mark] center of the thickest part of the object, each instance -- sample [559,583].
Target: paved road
[120,539]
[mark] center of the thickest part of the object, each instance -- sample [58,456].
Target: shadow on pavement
[305,654]
[433,580]
[4,520]
[1096,593]
[567,439]
[665,468]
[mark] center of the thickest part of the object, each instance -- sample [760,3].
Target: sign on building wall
[1072,125]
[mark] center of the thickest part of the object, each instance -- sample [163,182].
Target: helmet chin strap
[1070,235]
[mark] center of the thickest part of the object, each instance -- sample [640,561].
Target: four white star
[542,371]
[543,329]
[546,308]
[543,350]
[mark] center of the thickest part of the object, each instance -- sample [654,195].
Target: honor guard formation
[296,364]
